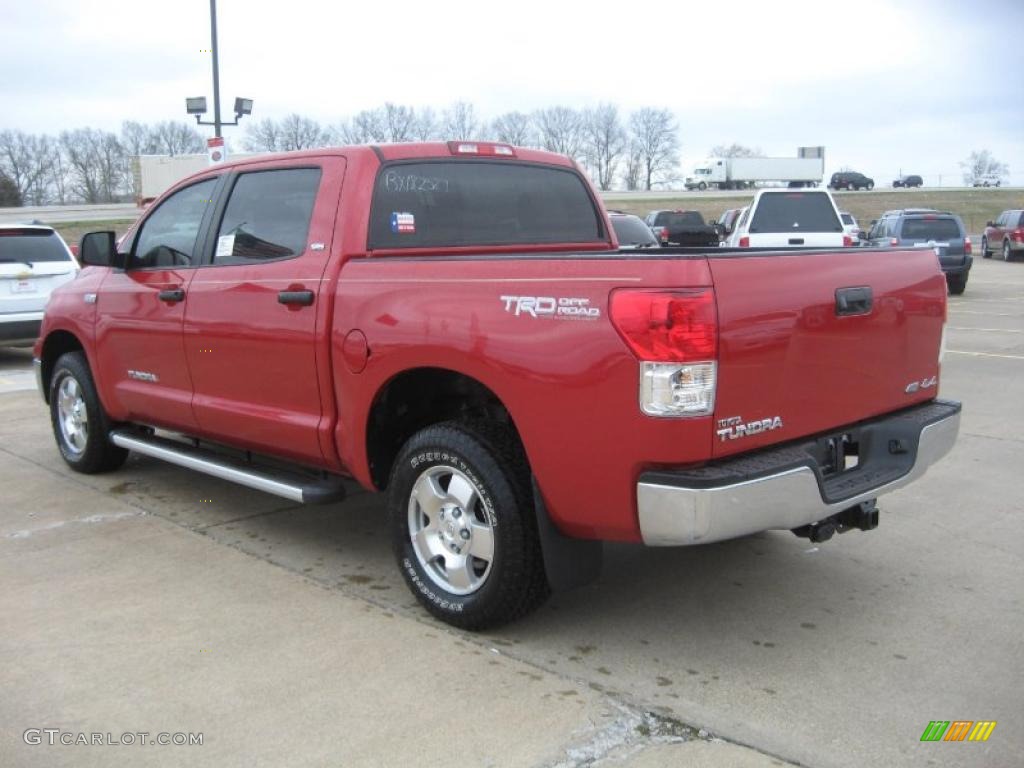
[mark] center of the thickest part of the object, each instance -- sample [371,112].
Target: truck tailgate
[793,362]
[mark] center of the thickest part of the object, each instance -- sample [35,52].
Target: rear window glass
[31,245]
[1020,221]
[457,203]
[795,212]
[930,229]
[631,231]
[685,219]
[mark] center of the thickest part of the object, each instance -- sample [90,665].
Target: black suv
[908,181]
[941,231]
[850,180]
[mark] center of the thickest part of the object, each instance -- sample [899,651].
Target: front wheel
[1007,256]
[702,186]
[80,425]
[463,525]
[870,185]
[986,253]
[957,285]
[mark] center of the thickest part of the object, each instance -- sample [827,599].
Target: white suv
[33,261]
[791,218]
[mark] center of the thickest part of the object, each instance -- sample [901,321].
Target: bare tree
[634,167]
[95,163]
[981,163]
[297,132]
[367,127]
[604,142]
[459,122]
[426,126]
[514,128]
[657,135]
[561,130]
[400,122]
[172,137]
[736,150]
[262,136]
[26,159]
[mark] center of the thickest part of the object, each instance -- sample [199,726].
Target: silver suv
[33,261]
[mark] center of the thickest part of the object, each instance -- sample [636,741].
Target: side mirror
[99,249]
[990,223]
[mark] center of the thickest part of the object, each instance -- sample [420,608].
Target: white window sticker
[225,245]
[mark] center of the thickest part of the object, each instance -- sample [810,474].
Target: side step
[293,486]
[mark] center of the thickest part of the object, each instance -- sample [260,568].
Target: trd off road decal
[563,307]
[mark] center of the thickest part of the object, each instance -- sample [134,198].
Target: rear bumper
[785,488]
[20,327]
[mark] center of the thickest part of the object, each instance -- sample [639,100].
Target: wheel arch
[57,343]
[418,397]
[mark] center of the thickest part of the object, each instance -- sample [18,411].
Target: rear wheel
[1007,256]
[463,525]
[80,425]
[986,253]
[957,285]
[870,185]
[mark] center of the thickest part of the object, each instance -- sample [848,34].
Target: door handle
[853,301]
[298,298]
[172,294]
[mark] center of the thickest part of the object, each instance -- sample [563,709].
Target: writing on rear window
[467,202]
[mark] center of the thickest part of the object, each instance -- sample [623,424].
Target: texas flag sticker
[403,223]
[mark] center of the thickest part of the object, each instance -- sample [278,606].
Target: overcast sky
[884,86]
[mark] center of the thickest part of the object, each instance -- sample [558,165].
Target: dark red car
[1005,234]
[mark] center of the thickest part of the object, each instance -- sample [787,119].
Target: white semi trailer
[743,172]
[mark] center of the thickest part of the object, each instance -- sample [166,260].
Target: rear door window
[795,212]
[930,229]
[267,216]
[461,203]
[31,246]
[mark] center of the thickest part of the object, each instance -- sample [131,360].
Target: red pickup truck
[453,324]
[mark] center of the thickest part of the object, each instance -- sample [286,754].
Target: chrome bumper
[673,514]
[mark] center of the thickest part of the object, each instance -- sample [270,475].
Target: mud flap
[568,562]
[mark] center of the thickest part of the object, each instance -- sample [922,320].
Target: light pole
[197,105]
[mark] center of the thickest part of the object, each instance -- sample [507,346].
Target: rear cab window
[446,203]
[795,212]
[32,246]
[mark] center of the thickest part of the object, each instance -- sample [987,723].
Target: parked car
[988,180]
[787,218]
[941,231]
[1005,234]
[727,222]
[850,225]
[682,228]
[34,260]
[451,324]
[631,231]
[908,181]
[850,180]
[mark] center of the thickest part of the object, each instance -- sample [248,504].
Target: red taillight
[1017,235]
[744,242]
[74,250]
[663,234]
[894,241]
[968,248]
[847,241]
[667,326]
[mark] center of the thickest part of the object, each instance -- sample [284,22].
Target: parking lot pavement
[836,654]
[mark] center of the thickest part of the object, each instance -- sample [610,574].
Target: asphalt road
[833,655]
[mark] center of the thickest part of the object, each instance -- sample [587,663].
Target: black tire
[986,252]
[957,285]
[513,583]
[90,451]
[869,186]
[702,186]
[1007,255]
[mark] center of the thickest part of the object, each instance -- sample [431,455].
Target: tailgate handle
[853,301]
[796,241]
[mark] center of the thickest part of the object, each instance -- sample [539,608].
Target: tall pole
[216,73]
